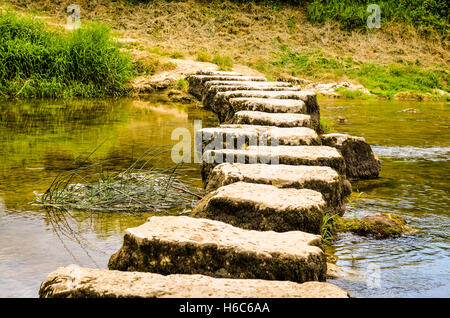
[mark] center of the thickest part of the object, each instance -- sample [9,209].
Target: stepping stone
[224,109]
[268,105]
[360,161]
[325,180]
[218,73]
[286,155]
[247,83]
[239,136]
[77,282]
[264,207]
[183,245]
[210,89]
[271,119]
[197,82]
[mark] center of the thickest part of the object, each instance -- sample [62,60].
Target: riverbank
[165,38]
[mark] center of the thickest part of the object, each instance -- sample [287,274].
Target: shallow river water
[40,139]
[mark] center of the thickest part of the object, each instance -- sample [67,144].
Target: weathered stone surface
[287,155]
[218,73]
[333,271]
[361,162]
[239,136]
[325,180]
[222,107]
[379,226]
[210,91]
[77,282]
[264,207]
[184,245]
[269,105]
[271,119]
[197,82]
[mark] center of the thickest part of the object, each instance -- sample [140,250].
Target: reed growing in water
[139,188]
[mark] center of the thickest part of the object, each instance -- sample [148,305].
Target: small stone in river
[410,110]
[379,226]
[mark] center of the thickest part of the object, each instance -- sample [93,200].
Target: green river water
[40,139]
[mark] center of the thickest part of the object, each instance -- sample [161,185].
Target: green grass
[36,62]
[352,14]
[224,62]
[352,94]
[182,85]
[381,80]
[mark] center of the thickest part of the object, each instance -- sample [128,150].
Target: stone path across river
[254,234]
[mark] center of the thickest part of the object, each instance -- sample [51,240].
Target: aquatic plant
[327,226]
[139,188]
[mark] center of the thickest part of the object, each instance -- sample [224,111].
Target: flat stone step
[218,73]
[183,245]
[287,155]
[77,282]
[197,82]
[224,109]
[239,136]
[268,105]
[264,207]
[271,119]
[360,161]
[325,180]
[257,84]
[210,91]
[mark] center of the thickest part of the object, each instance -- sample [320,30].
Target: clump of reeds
[139,188]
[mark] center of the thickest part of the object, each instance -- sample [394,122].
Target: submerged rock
[379,226]
[286,155]
[325,180]
[271,119]
[264,207]
[72,282]
[360,161]
[184,245]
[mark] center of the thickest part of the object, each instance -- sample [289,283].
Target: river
[40,139]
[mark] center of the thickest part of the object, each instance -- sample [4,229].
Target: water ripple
[409,153]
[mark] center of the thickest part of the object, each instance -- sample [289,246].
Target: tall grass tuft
[36,62]
[139,188]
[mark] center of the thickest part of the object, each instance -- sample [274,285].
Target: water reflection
[41,139]
[415,152]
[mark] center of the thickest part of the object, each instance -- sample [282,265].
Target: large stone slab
[271,119]
[197,82]
[218,73]
[264,207]
[184,245]
[239,136]
[287,155]
[224,109]
[361,162]
[77,282]
[210,91]
[325,180]
[268,105]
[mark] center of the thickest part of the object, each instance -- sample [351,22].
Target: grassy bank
[36,62]
[322,41]
[382,80]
